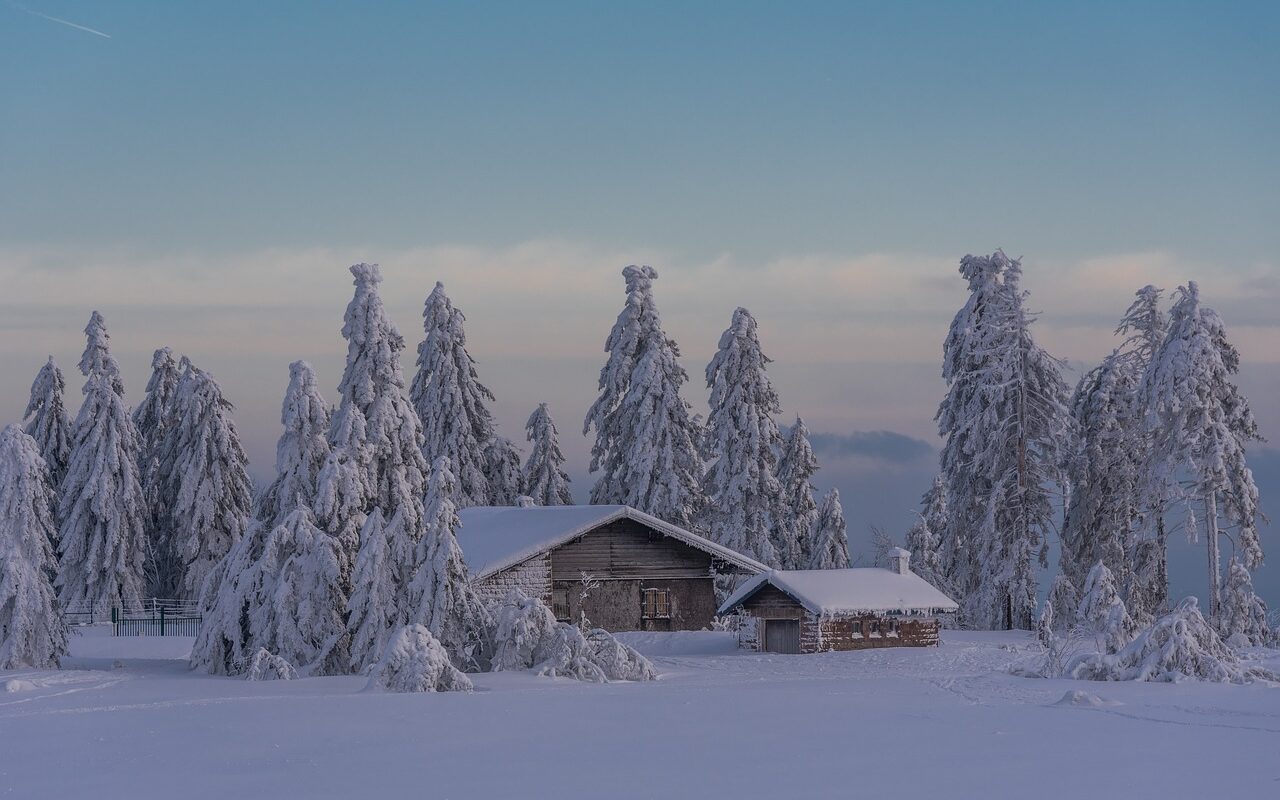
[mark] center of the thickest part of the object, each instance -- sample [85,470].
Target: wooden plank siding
[820,633]
[625,557]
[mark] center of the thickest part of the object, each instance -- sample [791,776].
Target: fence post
[162,620]
[115,624]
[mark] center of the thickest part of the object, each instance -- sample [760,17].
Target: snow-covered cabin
[627,570]
[812,610]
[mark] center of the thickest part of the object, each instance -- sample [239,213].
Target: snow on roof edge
[791,583]
[610,513]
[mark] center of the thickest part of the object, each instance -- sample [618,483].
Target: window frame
[655,603]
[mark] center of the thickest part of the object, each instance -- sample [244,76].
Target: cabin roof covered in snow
[847,591]
[496,537]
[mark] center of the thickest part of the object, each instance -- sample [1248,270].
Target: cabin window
[893,626]
[857,628]
[656,604]
[875,626]
[560,604]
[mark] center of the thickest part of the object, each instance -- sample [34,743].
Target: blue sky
[204,175]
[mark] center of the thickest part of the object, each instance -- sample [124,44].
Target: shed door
[782,635]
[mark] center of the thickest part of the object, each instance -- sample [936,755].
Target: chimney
[900,561]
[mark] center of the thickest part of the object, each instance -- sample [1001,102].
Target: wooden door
[782,635]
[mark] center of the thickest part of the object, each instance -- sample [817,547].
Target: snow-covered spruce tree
[796,468]
[830,548]
[46,417]
[392,443]
[153,415]
[744,509]
[371,611]
[1064,600]
[502,471]
[154,419]
[212,494]
[415,662]
[1105,472]
[1006,429]
[344,487]
[101,508]
[544,477]
[1179,645]
[32,631]
[301,451]
[1202,425]
[229,603]
[646,446]
[1244,615]
[440,595]
[451,401]
[924,539]
[308,601]
[1102,612]
[1147,595]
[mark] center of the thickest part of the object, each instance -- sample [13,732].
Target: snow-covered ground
[127,719]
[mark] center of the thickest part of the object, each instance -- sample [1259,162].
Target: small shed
[811,611]
[624,569]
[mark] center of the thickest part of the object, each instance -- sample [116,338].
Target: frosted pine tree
[308,601]
[154,414]
[544,477]
[373,384]
[924,539]
[154,418]
[32,631]
[440,594]
[1106,472]
[1005,424]
[1202,425]
[1064,600]
[796,468]
[830,548]
[213,499]
[745,509]
[1145,326]
[344,487]
[303,447]
[371,611]
[646,446]
[1244,615]
[1101,610]
[451,401]
[502,472]
[46,417]
[101,508]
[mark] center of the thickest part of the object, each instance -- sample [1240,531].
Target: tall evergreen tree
[101,508]
[440,595]
[646,441]
[213,498]
[796,467]
[451,401]
[303,447]
[308,600]
[32,631]
[1104,509]
[47,423]
[924,539]
[830,548]
[154,418]
[1147,594]
[374,385]
[544,477]
[371,611]
[502,472]
[1202,425]
[1005,424]
[744,511]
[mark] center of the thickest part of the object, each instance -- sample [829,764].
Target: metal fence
[150,617]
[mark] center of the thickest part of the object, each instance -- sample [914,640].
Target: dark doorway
[782,636]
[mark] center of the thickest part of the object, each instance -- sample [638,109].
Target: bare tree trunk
[1162,572]
[1211,512]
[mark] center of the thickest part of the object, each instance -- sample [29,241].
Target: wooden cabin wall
[819,634]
